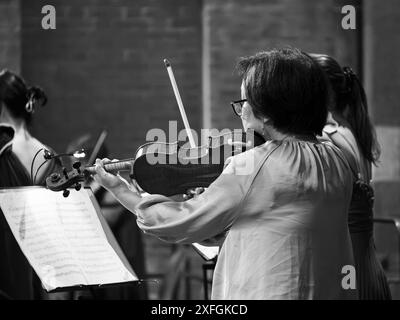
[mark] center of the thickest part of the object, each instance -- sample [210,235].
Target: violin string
[111,164]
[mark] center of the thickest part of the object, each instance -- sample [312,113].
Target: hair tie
[349,76]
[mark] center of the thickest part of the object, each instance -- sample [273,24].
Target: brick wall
[382,75]
[238,28]
[10,28]
[103,68]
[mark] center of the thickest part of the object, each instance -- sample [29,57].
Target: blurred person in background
[18,148]
[349,128]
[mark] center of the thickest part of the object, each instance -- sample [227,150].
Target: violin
[178,168]
[168,168]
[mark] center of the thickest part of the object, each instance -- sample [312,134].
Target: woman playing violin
[282,206]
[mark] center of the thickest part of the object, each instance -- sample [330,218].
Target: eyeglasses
[237,106]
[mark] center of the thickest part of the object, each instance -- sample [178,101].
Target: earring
[263,127]
[29,106]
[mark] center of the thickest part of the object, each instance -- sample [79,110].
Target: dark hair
[19,99]
[347,91]
[288,87]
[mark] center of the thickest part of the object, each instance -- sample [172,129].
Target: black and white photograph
[192,156]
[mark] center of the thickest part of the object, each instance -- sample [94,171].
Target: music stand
[16,203]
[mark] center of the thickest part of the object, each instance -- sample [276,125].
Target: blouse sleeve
[332,133]
[203,217]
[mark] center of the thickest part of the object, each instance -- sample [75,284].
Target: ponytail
[348,94]
[358,117]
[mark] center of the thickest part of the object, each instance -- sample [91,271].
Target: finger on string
[117,173]
[105,161]
[99,168]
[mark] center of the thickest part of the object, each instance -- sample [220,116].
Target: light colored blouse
[344,139]
[284,205]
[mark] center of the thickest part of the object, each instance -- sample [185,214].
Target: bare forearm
[128,197]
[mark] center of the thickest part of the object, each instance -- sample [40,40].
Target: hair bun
[36,96]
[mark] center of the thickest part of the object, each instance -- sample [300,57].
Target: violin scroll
[73,178]
[61,182]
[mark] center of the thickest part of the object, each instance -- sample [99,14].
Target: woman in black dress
[350,129]
[18,147]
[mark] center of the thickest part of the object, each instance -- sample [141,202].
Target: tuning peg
[78,187]
[77,166]
[65,193]
[48,154]
[54,177]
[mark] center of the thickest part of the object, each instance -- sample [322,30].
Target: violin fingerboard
[113,167]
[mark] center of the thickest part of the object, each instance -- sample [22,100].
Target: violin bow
[97,147]
[180,103]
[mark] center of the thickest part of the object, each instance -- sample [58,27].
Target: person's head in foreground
[283,92]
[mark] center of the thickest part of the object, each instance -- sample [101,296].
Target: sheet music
[62,237]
